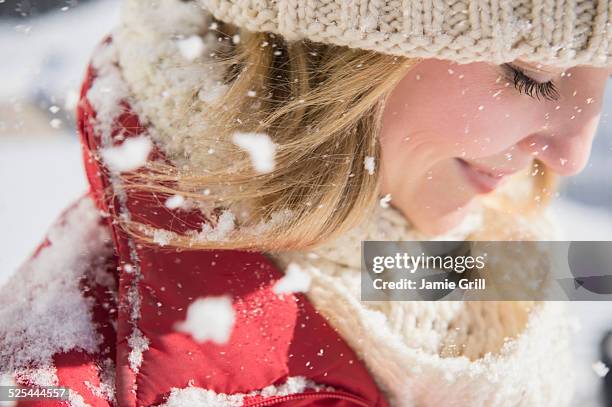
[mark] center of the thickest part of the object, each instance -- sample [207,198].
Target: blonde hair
[321,105]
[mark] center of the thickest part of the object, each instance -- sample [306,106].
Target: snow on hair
[321,107]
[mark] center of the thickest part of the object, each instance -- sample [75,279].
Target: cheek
[463,114]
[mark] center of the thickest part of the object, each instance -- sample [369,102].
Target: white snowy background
[42,63]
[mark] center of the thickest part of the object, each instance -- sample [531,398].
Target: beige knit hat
[550,32]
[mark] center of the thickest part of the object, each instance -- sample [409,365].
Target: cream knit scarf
[439,353]
[420,353]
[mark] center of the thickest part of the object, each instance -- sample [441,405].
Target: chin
[435,223]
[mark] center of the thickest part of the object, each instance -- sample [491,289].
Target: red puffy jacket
[137,293]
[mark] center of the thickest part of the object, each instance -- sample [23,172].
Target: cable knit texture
[420,353]
[560,32]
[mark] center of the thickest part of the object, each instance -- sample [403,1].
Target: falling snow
[385,200]
[225,224]
[129,156]
[369,164]
[191,47]
[212,94]
[295,280]
[175,202]
[600,369]
[260,148]
[162,237]
[209,319]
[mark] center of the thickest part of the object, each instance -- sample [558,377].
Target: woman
[239,160]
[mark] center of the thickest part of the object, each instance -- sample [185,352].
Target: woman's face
[452,132]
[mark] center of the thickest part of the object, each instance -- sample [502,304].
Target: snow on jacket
[100,314]
[109,318]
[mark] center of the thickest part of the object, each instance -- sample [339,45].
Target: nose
[565,151]
[563,142]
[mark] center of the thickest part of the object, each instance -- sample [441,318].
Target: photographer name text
[407,284]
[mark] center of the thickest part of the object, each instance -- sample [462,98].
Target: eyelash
[524,84]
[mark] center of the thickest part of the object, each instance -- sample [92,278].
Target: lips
[482,179]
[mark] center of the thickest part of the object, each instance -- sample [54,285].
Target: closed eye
[529,86]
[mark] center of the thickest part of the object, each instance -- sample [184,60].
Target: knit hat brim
[549,32]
